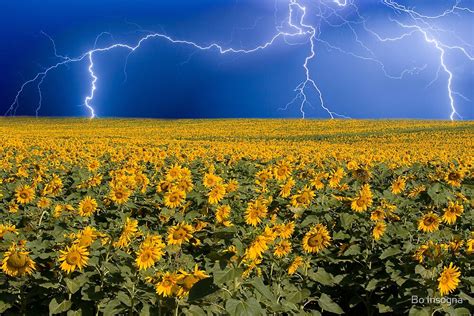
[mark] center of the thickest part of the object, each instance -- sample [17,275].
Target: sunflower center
[17,260]
[118,195]
[429,221]
[73,258]
[23,195]
[453,176]
[179,234]
[314,241]
[173,198]
[145,256]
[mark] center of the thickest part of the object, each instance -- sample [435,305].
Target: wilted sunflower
[174,198]
[452,212]
[379,230]
[24,194]
[429,223]
[316,239]
[179,233]
[74,257]
[87,206]
[282,248]
[17,262]
[449,279]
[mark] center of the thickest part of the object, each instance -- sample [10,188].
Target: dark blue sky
[174,81]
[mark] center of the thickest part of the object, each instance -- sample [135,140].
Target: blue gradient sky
[169,81]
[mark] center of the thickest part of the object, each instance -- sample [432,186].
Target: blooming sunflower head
[174,198]
[449,279]
[429,223]
[179,234]
[452,212]
[87,206]
[17,262]
[379,230]
[73,257]
[316,239]
[24,194]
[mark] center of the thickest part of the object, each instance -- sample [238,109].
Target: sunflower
[316,239]
[232,186]
[297,262]
[285,189]
[470,246]
[282,171]
[217,193]
[282,248]
[284,231]
[377,215]
[73,257]
[257,248]
[211,180]
[7,228]
[17,262]
[174,172]
[452,212]
[449,279]
[167,285]
[303,198]
[43,202]
[379,230]
[119,194]
[86,237]
[179,233]
[429,223]
[454,178]
[223,214]
[87,206]
[398,186]
[363,200]
[24,194]
[256,211]
[147,257]
[174,198]
[130,230]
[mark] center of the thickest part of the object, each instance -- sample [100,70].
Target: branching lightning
[303,24]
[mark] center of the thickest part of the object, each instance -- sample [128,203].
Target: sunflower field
[236,217]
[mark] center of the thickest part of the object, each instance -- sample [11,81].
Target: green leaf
[202,289]
[195,310]
[74,313]
[228,275]
[419,311]
[384,308]
[323,277]
[74,285]
[346,220]
[299,296]
[249,307]
[124,298]
[57,308]
[390,252]
[263,289]
[327,304]
[462,311]
[352,250]
[145,310]
[4,306]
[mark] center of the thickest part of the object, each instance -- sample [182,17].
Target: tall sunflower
[74,257]
[17,262]
[316,239]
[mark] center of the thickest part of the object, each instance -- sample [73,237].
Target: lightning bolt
[298,27]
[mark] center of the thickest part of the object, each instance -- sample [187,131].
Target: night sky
[165,80]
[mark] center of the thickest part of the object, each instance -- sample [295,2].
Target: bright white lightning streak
[299,28]
[422,24]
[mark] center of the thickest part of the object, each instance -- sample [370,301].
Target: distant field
[237,217]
